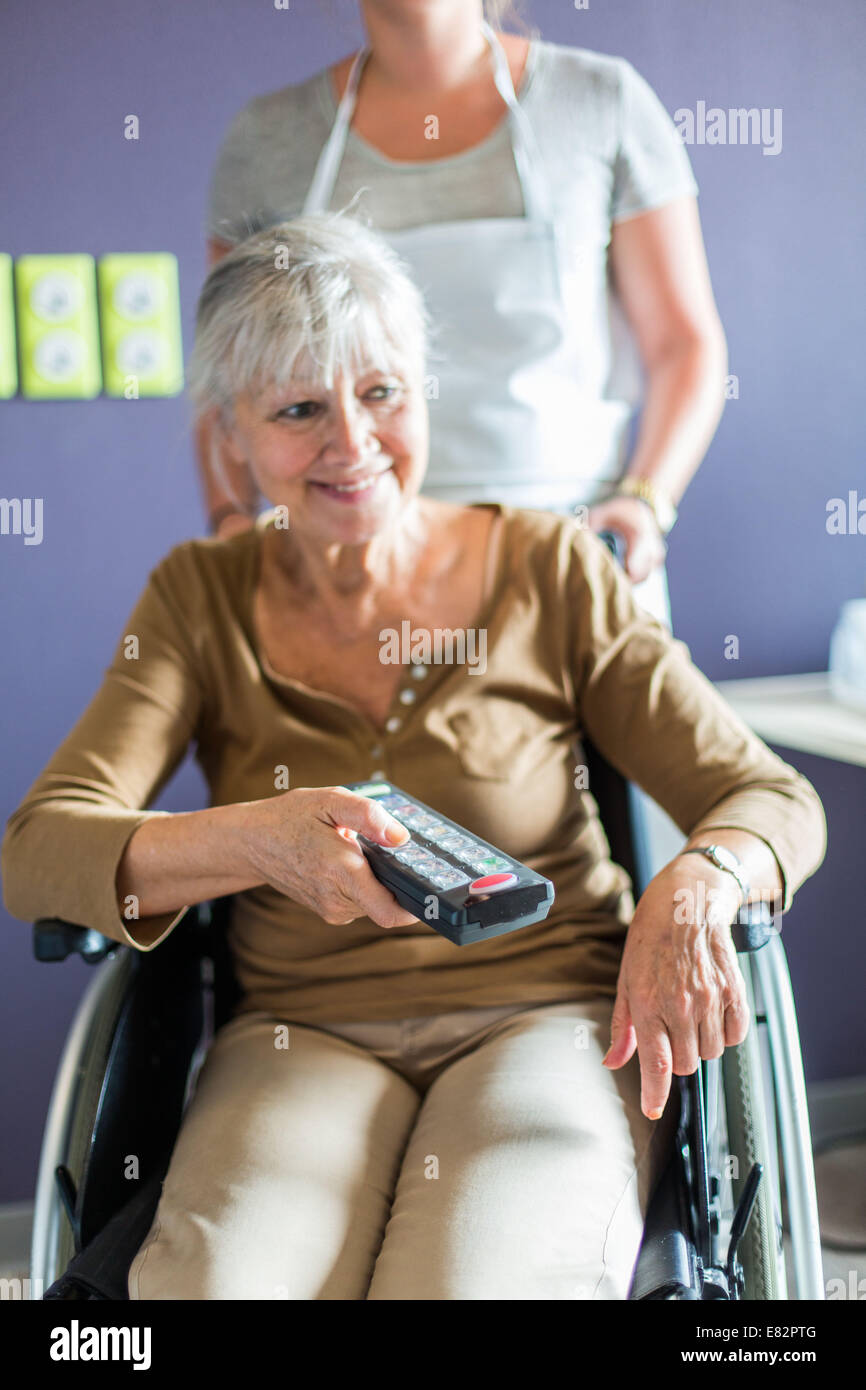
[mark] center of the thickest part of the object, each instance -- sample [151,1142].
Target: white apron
[510,420]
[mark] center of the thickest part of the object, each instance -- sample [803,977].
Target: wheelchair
[714,1224]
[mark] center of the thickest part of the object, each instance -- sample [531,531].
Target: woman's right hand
[303,843]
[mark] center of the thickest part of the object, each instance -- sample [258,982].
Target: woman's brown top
[493,744]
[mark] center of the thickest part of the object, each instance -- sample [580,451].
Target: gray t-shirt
[608,146]
[608,150]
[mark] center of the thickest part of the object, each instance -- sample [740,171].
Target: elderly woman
[387,1116]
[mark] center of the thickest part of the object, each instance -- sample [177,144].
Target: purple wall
[751,555]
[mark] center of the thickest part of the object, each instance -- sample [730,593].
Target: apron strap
[320,190]
[527,157]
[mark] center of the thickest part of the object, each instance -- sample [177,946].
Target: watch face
[725,857]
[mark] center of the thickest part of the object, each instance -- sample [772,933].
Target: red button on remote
[492,883]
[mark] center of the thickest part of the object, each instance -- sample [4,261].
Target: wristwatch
[658,502]
[724,859]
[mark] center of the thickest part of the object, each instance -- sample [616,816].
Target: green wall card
[58,330]
[139,309]
[8,359]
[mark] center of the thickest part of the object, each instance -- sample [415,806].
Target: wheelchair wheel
[72,1114]
[749,1106]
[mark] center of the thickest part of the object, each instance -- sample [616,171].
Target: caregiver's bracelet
[658,502]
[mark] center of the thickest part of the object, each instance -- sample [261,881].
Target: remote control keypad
[464,848]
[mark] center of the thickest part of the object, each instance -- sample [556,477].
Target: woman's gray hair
[323,292]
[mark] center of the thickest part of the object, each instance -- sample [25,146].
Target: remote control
[451,880]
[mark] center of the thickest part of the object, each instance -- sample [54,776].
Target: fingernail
[655,1114]
[395,833]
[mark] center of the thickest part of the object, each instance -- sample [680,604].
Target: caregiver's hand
[303,844]
[645,546]
[680,995]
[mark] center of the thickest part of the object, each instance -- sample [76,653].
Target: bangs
[351,337]
[319,295]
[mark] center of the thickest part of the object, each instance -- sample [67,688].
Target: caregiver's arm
[660,269]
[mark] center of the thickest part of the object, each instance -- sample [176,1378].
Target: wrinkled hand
[680,995]
[645,545]
[304,844]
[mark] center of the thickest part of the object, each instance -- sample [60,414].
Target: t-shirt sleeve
[233,210]
[661,723]
[651,166]
[64,844]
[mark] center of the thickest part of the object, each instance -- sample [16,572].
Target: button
[417,671]
[448,881]
[452,879]
[407,697]
[493,883]
[488,863]
[393,724]
[459,846]
[448,839]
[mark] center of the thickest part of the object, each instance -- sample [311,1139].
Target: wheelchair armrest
[54,939]
[753,927]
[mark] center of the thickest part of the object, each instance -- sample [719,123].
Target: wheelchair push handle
[615,542]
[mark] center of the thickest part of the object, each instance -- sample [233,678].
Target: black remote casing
[453,911]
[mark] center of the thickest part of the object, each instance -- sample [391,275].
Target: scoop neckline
[482,619]
[332,103]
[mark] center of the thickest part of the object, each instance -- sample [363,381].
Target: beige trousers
[483,1154]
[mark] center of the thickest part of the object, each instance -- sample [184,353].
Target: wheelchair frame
[87,1229]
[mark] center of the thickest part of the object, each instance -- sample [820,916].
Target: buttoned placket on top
[405,703]
[407,697]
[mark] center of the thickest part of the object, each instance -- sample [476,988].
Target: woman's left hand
[680,995]
[645,545]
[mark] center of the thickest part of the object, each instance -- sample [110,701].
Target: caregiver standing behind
[545,204]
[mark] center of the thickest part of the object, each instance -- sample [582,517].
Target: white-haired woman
[547,208]
[387,1116]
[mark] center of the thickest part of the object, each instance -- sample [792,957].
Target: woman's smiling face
[345,459]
